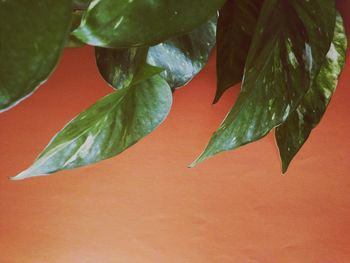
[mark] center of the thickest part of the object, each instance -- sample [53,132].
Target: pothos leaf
[292,134]
[129,23]
[181,58]
[236,26]
[32,37]
[184,56]
[284,57]
[107,128]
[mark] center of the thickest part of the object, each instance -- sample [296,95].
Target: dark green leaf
[32,36]
[129,23]
[107,128]
[236,26]
[181,58]
[288,48]
[118,66]
[292,134]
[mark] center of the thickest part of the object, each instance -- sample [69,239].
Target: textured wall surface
[145,206]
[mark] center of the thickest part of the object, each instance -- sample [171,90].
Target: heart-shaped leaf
[181,58]
[129,23]
[32,37]
[107,128]
[292,134]
[236,26]
[288,48]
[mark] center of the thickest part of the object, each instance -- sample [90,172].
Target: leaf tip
[24,175]
[216,98]
[285,165]
[192,165]
[14,178]
[76,33]
[18,177]
[219,92]
[200,159]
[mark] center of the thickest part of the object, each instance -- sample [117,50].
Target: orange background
[145,206]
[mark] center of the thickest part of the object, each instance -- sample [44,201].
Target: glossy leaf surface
[184,56]
[285,56]
[129,23]
[107,128]
[118,66]
[32,36]
[181,58]
[236,26]
[292,134]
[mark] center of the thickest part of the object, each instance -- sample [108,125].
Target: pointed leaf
[107,128]
[236,26]
[292,134]
[32,37]
[285,55]
[128,23]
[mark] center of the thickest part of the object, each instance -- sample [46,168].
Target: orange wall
[145,206]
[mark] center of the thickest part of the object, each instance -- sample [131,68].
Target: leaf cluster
[287,55]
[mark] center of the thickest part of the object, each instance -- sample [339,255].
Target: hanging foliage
[287,55]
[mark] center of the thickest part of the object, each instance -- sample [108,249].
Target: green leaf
[144,72]
[181,58]
[292,134]
[288,48]
[72,41]
[32,37]
[107,128]
[236,26]
[129,23]
[118,66]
